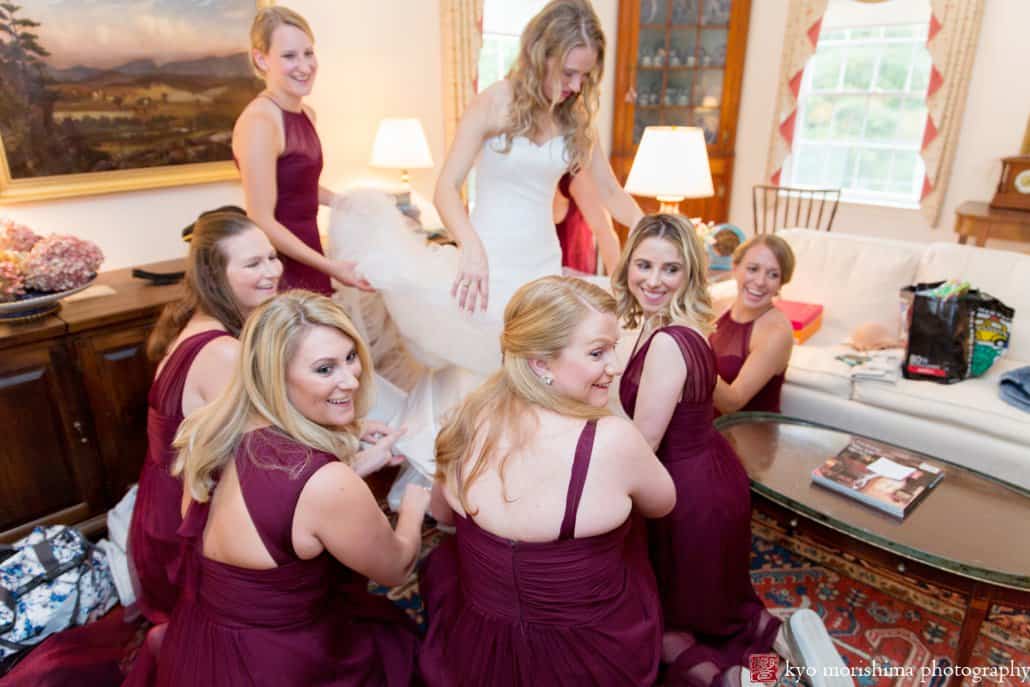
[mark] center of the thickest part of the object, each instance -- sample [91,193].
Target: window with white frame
[862,112]
[503,21]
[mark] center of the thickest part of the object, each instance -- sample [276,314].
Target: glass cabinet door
[681,62]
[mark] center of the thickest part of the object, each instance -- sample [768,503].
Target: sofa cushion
[1001,273]
[816,367]
[855,278]
[972,403]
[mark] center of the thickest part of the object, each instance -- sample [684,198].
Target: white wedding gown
[512,216]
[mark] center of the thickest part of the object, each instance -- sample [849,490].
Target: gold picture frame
[122,91]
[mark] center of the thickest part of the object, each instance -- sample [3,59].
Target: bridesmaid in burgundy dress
[546,581]
[279,154]
[753,340]
[231,269]
[701,551]
[280,529]
[580,218]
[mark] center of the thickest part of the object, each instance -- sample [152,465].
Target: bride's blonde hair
[208,439]
[560,27]
[538,323]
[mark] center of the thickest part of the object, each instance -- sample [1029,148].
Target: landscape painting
[111,95]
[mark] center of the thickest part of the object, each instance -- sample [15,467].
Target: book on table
[889,479]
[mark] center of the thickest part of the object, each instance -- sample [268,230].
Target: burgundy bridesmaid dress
[153,544]
[731,342]
[568,612]
[574,234]
[701,550]
[297,171]
[302,623]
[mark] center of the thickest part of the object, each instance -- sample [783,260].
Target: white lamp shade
[401,144]
[671,164]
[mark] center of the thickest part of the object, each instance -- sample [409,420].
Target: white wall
[376,59]
[992,127]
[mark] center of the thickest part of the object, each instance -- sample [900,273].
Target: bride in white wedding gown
[525,131]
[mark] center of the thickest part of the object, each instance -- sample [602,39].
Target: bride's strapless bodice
[512,213]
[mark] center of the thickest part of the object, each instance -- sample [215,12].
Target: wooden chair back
[780,207]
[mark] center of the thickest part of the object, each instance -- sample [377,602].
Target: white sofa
[856,279]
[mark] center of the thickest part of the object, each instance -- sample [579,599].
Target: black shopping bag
[951,338]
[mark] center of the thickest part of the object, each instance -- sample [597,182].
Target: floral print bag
[52,579]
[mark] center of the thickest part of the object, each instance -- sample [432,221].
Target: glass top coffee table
[969,533]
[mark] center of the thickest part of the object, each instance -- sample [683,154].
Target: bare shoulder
[333,485]
[223,350]
[260,113]
[618,435]
[310,112]
[495,102]
[664,350]
[773,326]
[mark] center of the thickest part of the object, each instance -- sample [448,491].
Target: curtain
[799,41]
[462,38]
[951,42]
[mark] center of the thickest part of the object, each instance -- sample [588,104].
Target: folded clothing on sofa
[1014,388]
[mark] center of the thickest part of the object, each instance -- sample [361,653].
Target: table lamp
[671,164]
[400,143]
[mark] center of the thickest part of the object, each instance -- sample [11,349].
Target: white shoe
[810,645]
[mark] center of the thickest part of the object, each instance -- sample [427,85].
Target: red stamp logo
[764,667]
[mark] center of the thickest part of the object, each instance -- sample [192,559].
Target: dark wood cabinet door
[117,377]
[47,459]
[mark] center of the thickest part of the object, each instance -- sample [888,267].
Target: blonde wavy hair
[266,21]
[538,324]
[692,304]
[560,27]
[208,439]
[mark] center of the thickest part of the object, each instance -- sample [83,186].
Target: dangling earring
[548,380]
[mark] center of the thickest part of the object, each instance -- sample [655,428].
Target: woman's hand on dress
[472,285]
[379,454]
[416,498]
[346,272]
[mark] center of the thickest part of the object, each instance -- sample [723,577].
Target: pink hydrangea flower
[60,262]
[16,237]
[12,275]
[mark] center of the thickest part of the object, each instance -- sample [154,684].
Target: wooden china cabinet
[680,63]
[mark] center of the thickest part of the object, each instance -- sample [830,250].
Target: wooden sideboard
[73,404]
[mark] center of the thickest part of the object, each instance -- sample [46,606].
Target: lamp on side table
[671,164]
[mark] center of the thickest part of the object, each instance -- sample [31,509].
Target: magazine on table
[889,479]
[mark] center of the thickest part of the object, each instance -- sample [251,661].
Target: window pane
[912,120]
[716,12]
[848,116]
[834,35]
[882,119]
[865,33]
[840,161]
[873,170]
[652,11]
[683,11]
[818,118]
[904,171]
[826,68]
[894,68]
[858,72]
[808,166]
[903,31]
[920,71]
